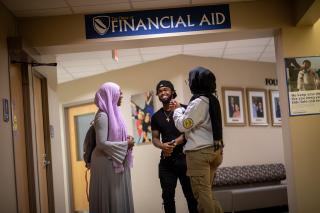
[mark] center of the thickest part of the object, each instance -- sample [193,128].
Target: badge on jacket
[187,123]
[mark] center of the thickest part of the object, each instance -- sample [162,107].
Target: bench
[240,188]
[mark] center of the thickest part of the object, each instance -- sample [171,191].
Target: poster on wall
[303,85]
[142,109]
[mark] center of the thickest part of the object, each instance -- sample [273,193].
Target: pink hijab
[106,99]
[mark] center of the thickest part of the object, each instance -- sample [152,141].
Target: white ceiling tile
[63,76]
[158,4]
[128,52]
[110,64]
[101,8]
[249,57]
[271,42]
[270,48]
[77,69]
[157,56]
[248,42]
[177,49]
[268,54]
[123,59]
[115,66]
[268,59]
[64,80]
[82,56]
[205,53]
[130,58]
[238,50]
[83,74]
[61,71]
[201,46]
[83,62]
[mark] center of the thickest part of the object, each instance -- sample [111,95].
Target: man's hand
[167,148]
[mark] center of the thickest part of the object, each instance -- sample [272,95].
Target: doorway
[42,142]
[78,122]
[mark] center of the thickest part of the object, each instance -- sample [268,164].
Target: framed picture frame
[275,107]
[257,107]
[234,106]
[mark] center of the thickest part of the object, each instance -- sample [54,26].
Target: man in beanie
[202,126]
[172,164]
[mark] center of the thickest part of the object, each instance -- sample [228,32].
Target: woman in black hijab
[201,122]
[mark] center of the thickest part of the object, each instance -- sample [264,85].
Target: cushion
[239,175]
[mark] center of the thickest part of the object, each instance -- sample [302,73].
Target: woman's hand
[130,141]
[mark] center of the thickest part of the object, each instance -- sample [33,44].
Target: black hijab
[202,82]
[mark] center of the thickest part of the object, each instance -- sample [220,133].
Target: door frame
[47,139]
[67,139]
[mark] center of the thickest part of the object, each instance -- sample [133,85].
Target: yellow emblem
[188,123]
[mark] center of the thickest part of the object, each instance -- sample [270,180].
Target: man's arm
[167,148]
[179,140]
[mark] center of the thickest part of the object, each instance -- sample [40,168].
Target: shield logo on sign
[101,24]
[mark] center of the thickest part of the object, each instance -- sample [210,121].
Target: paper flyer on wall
[303,83]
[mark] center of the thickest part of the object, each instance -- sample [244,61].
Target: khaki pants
[202,165]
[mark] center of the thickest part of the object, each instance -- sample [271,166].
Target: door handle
[46,162]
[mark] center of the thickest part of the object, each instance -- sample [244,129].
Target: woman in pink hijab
[110,181]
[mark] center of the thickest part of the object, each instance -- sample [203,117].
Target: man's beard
[167,101]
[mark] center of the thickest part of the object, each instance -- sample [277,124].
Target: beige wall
[7,179]
[303,140]
[263,146]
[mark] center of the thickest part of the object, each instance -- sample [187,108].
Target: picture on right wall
[275,107]
[257,107]
[303,85]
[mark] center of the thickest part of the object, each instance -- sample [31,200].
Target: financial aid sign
[153,22]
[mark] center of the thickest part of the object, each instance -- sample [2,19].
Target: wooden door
[19,139]
[79,118]
[43,161]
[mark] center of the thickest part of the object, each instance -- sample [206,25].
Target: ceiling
[31,8]
[73,66]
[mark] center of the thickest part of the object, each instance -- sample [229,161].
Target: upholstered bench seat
[241,188]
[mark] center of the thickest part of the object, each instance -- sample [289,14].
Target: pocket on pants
[208,150]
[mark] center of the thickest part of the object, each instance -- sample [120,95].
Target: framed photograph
[275,107]
[233,106]
[257,107]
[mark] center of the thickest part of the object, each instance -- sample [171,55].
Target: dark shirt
[167,130]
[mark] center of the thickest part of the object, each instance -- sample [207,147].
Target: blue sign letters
[152,22]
